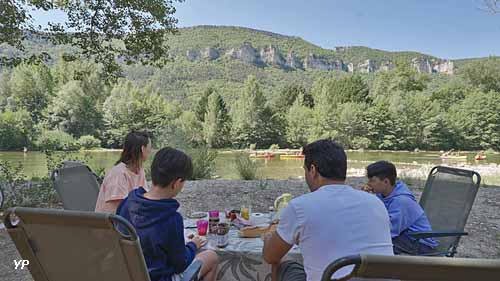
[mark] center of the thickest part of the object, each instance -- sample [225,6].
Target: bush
[89,142]
[56,140]
[203,163]
[16,130]
[18,191]
[246,167]
[274,147]
[360,143]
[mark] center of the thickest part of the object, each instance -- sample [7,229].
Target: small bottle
[246,207]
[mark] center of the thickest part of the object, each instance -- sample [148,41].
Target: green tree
[287,95]
[31,87]
[190,130]
[325,108]
[351,125]
[76,112]
[16,130]
[299,119]
[484,74]
[476,121]
[89,74]
[4,90]
[337,90]
[217,125]
[253,120]
[380,124]
[450,93]
[201,106]
[103,31]
[403,78]
[136,108]
[416,118]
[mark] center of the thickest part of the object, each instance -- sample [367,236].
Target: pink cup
[202,226]
[213,214]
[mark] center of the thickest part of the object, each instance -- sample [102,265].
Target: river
[411,163]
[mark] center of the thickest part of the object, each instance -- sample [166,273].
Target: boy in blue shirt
[405,213]
[160,227]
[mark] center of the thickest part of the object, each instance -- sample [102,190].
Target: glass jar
[222,238]
[213,220]
[246,207]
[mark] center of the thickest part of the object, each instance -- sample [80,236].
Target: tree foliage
[136,108]
[217,124]
[31,87]
[76,112]
[103,31]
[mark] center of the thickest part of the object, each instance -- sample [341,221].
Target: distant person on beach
[127,174]
[405,213]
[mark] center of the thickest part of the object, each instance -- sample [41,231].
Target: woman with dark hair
[127,174]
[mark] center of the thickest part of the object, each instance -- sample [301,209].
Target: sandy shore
[483,224]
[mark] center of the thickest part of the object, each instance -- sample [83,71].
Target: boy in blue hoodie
[405,213]
[160,227]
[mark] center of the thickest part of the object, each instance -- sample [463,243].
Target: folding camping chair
[447,201]
[65,245]
[77,187]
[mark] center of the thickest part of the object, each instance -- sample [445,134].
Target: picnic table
[242,259]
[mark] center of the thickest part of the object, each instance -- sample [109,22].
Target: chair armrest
[191,273]
[431,234]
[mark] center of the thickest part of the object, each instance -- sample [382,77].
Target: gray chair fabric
[375,267]
[79,246]
[447,201]
[77,187]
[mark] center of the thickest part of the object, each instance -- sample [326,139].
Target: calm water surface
[35,163]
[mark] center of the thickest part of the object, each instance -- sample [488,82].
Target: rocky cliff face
[445,67]
[210,53]
[314,62]
[367,67]
[421,65]
[245,53]
[272,57]
[292,61]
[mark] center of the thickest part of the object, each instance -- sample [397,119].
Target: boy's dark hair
[328,157]
[382,170]
[169,165]
[132,148]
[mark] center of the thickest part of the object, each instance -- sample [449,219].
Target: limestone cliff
[271,56]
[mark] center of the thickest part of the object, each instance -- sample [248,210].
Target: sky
[449,29]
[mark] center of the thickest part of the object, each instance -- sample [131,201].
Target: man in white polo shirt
[331,222]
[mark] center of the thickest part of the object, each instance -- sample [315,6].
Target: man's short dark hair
[169,165]
[382,170]
[328,157]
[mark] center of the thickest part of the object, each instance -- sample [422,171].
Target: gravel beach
[483,224]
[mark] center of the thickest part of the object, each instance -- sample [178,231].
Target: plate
[197,215]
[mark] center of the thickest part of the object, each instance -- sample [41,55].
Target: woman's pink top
[117,184]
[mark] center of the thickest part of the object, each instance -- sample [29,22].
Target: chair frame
[425,268]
